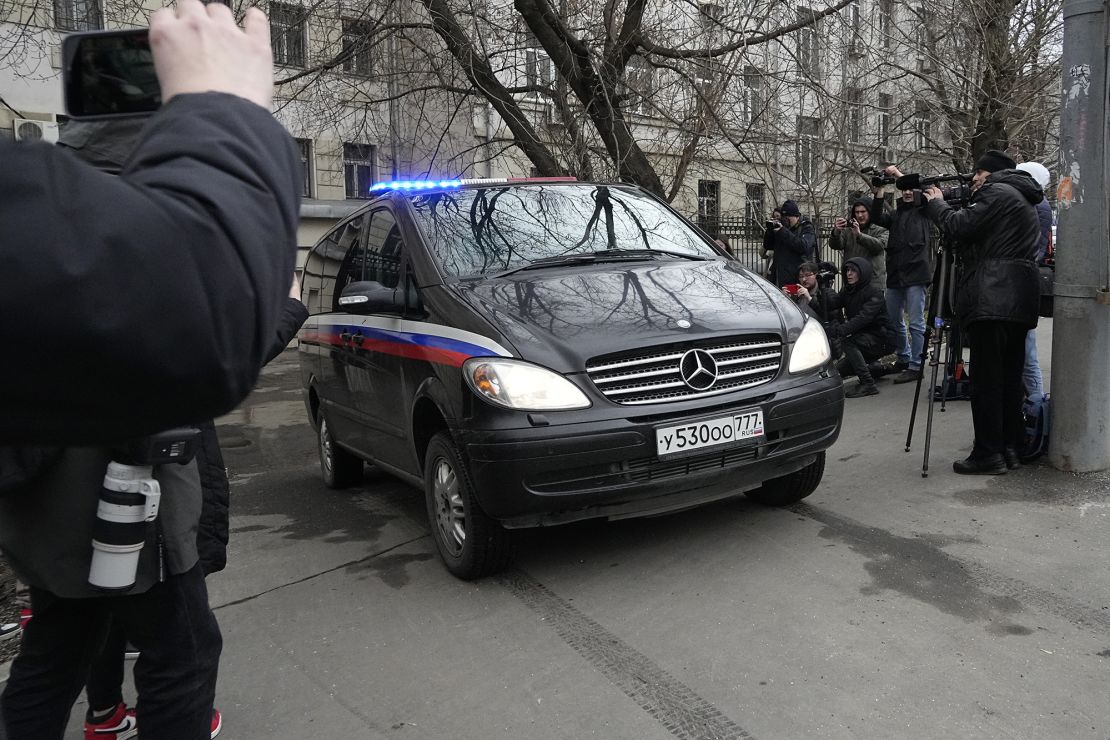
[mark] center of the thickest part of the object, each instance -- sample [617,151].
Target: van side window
[329,265]
[383,249]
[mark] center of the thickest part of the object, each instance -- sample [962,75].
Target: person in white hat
[1031,375]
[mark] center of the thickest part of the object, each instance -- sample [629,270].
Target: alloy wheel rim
[325,446]
[450,514]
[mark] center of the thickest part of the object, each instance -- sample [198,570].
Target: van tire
[792,488]
[340,468]
[470,543]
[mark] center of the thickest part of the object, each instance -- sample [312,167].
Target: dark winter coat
[164,283]
[996,237]
[209,198]
[864,307]
[791,247]
[909,250]
[1044,216]
[212,535]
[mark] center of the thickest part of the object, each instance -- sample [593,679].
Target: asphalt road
[885,605]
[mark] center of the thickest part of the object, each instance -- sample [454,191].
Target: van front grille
[656,375]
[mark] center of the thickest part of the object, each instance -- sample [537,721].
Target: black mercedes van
[535,352]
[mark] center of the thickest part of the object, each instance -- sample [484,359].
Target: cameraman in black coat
[997,295]
[867,332]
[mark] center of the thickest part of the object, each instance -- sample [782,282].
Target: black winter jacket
[203,219]
[864,307]
[212,534]
[997,237]
[164,283]
[792,247]
[909,253]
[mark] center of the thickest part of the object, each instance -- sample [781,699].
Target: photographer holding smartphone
[174,276]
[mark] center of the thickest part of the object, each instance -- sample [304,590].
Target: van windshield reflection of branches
[957,193]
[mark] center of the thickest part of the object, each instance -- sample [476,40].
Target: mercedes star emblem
[698,369]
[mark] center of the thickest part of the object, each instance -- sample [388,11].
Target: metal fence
[744,238]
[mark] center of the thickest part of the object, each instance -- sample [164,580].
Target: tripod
[939,333]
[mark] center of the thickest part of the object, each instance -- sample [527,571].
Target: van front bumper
[609,467]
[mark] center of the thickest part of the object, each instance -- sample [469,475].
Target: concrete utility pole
[1080,433]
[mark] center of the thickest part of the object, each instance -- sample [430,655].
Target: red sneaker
[217,722]
[119,726]
[24,617]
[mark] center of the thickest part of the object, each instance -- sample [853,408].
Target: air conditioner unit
[27,130]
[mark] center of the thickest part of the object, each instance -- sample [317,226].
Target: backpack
[1037,421]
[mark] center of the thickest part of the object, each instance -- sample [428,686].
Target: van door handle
[357,338]
[344,336]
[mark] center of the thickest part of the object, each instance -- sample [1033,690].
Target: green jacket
[870,244]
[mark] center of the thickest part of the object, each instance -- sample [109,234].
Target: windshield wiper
[601,255]
[641,253]
[542,262]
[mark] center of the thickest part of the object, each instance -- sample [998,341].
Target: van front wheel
[470,543]
[340,468]
[790,488]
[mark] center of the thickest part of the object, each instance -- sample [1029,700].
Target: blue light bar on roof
[414,185]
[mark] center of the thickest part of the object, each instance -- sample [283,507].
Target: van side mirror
[369,296]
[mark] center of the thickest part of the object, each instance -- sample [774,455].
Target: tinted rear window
[473,232]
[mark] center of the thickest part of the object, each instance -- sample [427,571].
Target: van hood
[560,317]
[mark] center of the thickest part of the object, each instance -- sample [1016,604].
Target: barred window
[287,34]
[308,166]
[809,149]
[809,44]
[356,47]
[78,15]
[359,169]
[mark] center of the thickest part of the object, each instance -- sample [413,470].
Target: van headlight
[519,385]
[811,348]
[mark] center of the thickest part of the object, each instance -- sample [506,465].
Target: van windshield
[499,229]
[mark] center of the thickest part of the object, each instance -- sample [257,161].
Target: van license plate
[721,432]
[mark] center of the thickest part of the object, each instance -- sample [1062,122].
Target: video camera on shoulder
[878,179]
[957,195]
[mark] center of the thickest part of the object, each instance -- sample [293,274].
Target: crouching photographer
[867,332]
[814,293]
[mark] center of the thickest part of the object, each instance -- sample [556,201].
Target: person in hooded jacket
[997,296]
[861,238]
[909,271]
[867,332]
[792,242]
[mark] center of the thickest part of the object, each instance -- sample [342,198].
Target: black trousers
[104,687]
[859,349]
[997,359]
[175,675]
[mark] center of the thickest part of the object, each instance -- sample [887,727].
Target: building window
[855,43]
[359,169]
[755,194]
[308,166]
[539,71]
[809,149]
[753,95]
[709,204]
[356,47]
[710,13]
[886,25]
[853,119]
[287,34]
[77,15]
[640,78]
[922,126]
[809,44]
[886,106]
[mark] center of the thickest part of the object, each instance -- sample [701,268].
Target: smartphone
[109,74]
[792,288]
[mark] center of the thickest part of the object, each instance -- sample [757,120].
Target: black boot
[990,465]
[1013,462]
[863,389]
